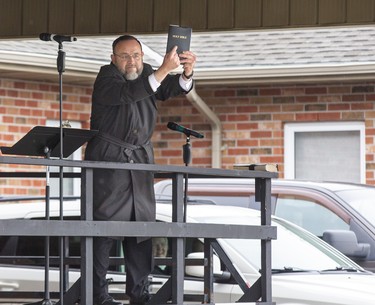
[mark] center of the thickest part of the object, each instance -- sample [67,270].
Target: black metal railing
[178,230]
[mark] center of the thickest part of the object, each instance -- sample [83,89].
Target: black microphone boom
[188,132]
[55,37]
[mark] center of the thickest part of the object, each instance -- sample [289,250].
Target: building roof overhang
[241,57]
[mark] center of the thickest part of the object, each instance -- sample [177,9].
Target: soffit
[293,55]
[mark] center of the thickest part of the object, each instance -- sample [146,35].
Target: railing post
[208,296]
[178,244]
[87,242]
[263,190]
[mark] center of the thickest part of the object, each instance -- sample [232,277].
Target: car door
[310,210]
[318,213]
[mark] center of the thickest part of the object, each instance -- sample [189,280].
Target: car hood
[324,289]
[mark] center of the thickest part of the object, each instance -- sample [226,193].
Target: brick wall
[25,104]
[252,118]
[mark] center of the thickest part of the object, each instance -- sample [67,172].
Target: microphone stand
[61,70]
[47,150]
[47,300]
[187,159]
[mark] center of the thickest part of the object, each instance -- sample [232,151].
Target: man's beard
[133,75]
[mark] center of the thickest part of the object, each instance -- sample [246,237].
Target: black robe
[125,112]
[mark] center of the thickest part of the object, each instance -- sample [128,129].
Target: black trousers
[138,265]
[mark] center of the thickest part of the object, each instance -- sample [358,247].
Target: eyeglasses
[128,57]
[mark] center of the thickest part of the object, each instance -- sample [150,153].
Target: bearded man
[124,109]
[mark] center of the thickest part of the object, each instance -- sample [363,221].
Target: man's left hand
[188,59]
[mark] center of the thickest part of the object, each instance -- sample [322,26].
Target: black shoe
[108,301]
[137,302]
[142,301]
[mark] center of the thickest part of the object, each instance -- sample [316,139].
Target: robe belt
[128,148]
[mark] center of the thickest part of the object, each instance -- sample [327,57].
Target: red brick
[339,89]
[32,104]
[337,107]
[12,93]
[44,87]
[306,117]
[278,151]
[37,95]
[329,99]
[19,85]
[362,106]
[329,116]
[316,90]
[238,117]
[8,119]
[13,129]
[283,117]
[200,143]
[270,108]
[250,109]
[292,91]
[271,142]
[270,91]
[353,115]
[261,134]
[261,100]
[246,126]
[306,99]
[272,159]
[247,142]
[225,92]
[238,151]
[353,98]
[171,153]
[206,162]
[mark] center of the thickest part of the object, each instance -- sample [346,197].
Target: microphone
[55,37]
[188,132]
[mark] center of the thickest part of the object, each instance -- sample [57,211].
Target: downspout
[215,123]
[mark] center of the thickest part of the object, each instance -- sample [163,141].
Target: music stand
[45,142]
[40,138]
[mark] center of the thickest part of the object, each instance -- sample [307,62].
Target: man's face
[128,58]
[159,246]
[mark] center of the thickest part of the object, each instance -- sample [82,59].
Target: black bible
[180,37]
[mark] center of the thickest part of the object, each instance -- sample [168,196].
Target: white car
[342,214]
[306,270]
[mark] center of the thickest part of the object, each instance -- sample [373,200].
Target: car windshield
[362,200]
[294,249]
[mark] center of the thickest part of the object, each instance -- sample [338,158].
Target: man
[124,111]
[160,249]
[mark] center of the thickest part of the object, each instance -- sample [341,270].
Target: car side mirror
[347,243]
[198,271]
